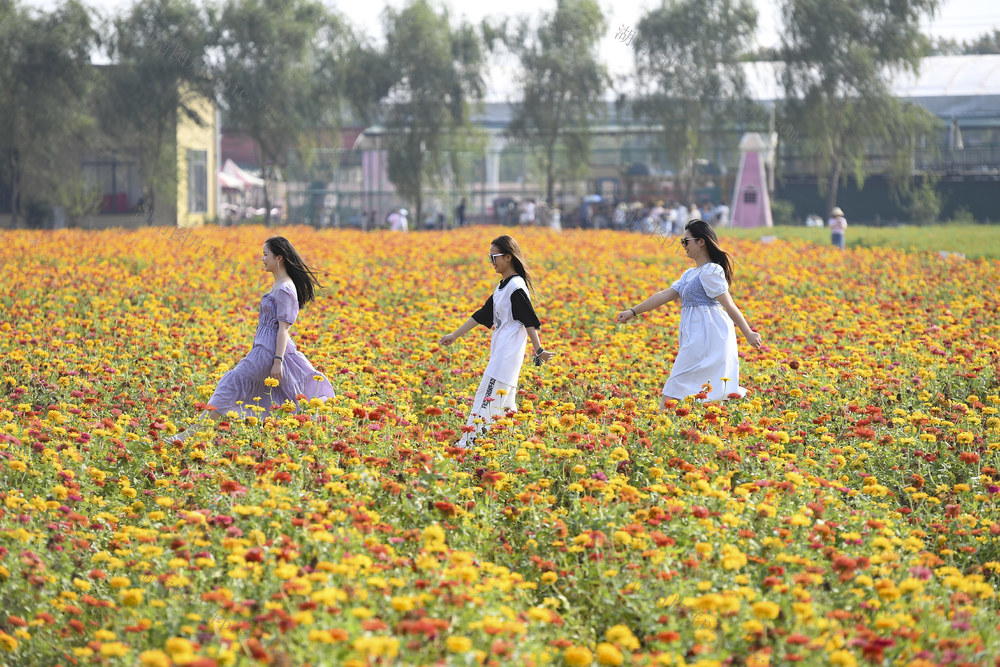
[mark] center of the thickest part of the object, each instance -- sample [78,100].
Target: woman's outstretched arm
[652,303]
[448,339]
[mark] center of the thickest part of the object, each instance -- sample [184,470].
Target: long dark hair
[300,273]
[508,246]
[700,229]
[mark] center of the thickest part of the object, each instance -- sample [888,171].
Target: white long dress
[707,338]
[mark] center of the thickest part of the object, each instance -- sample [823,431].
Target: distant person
[460,213]
[529,212]
[555,219]
[838,226]
[682,218]
[621,215]
[722,215]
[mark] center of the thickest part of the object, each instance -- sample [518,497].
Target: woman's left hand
[277,371]
[543,357]
[754,339]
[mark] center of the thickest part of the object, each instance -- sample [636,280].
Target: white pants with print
[493,399]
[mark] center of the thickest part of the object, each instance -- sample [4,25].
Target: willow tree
[562,82]
[688,87]
[840,57]
[438,76]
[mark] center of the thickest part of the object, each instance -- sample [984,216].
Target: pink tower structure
[751,204]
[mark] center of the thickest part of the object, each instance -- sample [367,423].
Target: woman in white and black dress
[510,313]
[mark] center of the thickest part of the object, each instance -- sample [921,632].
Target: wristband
[634,314]
[279,358]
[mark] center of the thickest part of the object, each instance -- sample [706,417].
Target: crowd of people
[667,218]
[660,218]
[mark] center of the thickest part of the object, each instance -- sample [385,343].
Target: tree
[45,75]
[438,74]
[281,75]
[985,44]
[839,56]
[158,50]
[562,81]
[686,85]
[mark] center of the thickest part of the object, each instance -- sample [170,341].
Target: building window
[197,181]
[116,181]
[750,196]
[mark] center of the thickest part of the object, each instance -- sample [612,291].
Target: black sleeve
[520,306]
[484,315]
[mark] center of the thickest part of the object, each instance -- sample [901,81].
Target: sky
[957,19]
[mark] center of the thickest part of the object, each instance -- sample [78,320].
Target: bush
[782,212]
[962,216]
[37,213]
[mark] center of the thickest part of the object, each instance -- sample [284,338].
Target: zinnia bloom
[577,656]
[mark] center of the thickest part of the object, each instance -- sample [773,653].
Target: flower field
[844,513]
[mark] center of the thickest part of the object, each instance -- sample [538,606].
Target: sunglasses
[493,258]
[685,240]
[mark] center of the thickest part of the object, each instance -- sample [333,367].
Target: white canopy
[230,182]
[231,169]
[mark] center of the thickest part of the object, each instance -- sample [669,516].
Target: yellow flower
[164,501]
[608,654]
[271,382]
[178,646]
[549,578]
[577,656]
[765,610]
[131,597]
[622,636]
[458,644]
[114,649]
[843,659]
[7,643]
[154,659]
[434,539]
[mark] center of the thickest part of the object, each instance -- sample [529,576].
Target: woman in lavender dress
[273,354]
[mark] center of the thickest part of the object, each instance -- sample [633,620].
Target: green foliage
[159,52]
[973,240]
[37,213]
[438,73]
[962,216]
[45,73]
[923,203]
[686,84]
[839,57]
[986,44]
[78,199]
[783,212]
[562,82]
[281,75]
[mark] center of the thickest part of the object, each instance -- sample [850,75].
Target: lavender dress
[246,382]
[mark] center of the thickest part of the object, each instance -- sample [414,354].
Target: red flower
[969,457]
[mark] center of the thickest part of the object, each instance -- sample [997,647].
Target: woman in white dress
[510,314]
[707,353]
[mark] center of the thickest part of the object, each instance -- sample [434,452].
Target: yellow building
[198,166]
[97,181]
